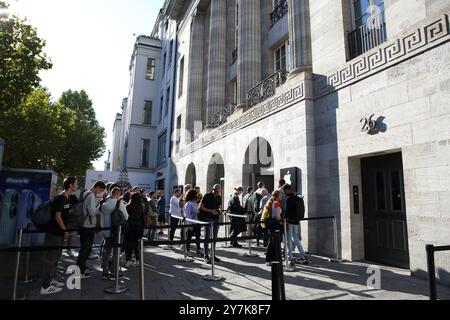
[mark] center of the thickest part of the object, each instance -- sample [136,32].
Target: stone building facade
[347,99]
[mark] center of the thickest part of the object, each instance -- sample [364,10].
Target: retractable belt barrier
[120,288]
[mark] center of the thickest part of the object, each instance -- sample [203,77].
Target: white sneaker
[57,284]
[50,290]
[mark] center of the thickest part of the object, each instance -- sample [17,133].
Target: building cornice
[431,34]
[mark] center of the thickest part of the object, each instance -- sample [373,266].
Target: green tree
[85,139]
[21,60]
[36,132]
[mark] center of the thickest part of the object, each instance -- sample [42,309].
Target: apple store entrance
[259,165]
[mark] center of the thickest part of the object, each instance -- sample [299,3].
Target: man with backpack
[55,235]
[87,230]
[295,211]
[112,213]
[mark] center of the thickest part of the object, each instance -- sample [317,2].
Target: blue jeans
[208,234]
[294,235]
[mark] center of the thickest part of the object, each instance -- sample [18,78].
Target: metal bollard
[141,271]
[213,277]
[16,274]
[431,272]
[27,261]
[336,259]
[119,287]
[287,267]
[249,234]
[227,230]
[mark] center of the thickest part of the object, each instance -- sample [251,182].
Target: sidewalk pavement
[245,279]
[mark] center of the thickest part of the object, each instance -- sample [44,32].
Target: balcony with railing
[221,117]
[279,12]
[266,88]
[368,36]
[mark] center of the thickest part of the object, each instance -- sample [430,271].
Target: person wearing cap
[237,224]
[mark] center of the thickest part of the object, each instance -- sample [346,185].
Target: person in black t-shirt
[210,212]
[56,234]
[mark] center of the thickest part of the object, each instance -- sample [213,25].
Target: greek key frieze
[382,57]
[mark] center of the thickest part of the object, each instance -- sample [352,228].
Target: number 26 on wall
[369,124]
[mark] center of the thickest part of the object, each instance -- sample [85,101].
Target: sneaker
[237,245]
[50,290]
[207,260]
[57,284]
[113,277]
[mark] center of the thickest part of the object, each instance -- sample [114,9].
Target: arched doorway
[191,175]
[216,173]
[259,165]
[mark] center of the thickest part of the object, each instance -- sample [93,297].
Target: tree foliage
[40,134]
[85,139]
[21,60]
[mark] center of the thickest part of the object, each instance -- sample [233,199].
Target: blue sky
[90,44]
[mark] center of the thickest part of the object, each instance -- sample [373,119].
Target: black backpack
[76,213]
[117,218]
[257,201]
[42,216]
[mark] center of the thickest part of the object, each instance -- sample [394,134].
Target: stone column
[217,58]
[300,35]
[195,76]
[249,48]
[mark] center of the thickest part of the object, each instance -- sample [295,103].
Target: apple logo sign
[288,177]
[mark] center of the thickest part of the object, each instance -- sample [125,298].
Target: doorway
[385,219]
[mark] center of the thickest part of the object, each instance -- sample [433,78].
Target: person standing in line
[111,204]
[249,208]
[237,224]
[135,229]
[272,211]
[55,236]
[87,231]
[161,210]
[175,211]
[263,232]
[199,195]
[152,215]
[295,211]
[210,212]
[190,211]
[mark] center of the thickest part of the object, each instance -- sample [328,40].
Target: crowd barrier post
[141,270]
[119,288]
[212,277]
[27,261]
[287,266]
[336,247]
[16,273]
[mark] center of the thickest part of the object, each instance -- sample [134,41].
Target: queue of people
[107,207]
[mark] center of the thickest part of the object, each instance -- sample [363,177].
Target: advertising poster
[22,191]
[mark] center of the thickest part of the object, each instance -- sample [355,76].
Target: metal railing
[367,36]
[234,56]
[279,12]
[432,268]
[221,117]
[266,88]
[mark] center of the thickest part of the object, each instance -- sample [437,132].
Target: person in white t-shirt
[175,211]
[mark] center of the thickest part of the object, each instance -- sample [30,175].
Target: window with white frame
[369,26]
[151,67]
[281,57]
